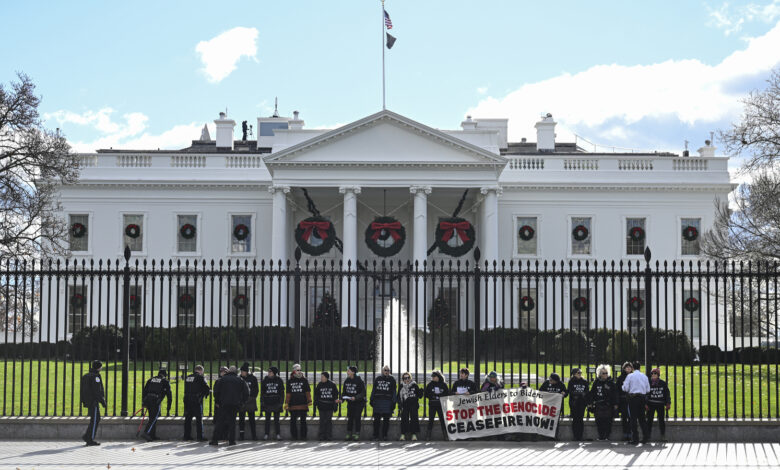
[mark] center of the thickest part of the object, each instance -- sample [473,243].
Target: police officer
[230,392]
[92,396]
[217,416]
[637,386]
[155,390]
[195,390]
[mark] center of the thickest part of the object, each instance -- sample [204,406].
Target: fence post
[125,330]
[297,304]
[648,305]
[477,316]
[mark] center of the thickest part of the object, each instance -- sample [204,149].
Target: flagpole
[383,55]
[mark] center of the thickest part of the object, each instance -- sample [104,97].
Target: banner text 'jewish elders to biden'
[503,411]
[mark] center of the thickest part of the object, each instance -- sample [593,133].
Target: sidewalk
[116,455]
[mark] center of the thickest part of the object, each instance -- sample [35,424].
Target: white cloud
[127,133]
[482,90]
[221,53]
[731,19]
[605,98]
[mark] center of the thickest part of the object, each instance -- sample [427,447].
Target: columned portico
[349,286]
[489,244]
[279,246]
[420,241]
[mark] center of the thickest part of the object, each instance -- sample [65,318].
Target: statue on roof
[204,134]
[244,129]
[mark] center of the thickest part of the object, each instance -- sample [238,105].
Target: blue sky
[632,74]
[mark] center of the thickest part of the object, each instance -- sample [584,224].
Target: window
[185,306]
[136,305]
[240,233]
[580,308]
[691,313]
[79,232]
[133,231]
[635,304]
[240,305]
[689,233]
[77,307]
[187,233]
[635,236]
[527,235]
[528,305]
[581,235]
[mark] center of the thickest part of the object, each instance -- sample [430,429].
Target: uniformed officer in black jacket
[155,390]
[195,390]
[230,392]
[91,396]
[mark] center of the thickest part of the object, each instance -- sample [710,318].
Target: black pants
[354,412]
[295,416]
[154,415]
[658,409]
[326,422]
[268,416]
[636,415]
[624,420]
[577,415]
[251,417]
[604,418]
[433,410]
[410,420]
[94,420]
[381,420]
[226,426]
[193,410]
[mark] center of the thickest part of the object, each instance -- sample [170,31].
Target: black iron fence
[711,327]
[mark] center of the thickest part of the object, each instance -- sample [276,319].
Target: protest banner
[502,411]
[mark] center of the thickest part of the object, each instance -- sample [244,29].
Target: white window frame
[252,235]
[623,235]
[69,288]
[90,226]
[141,308]
[696,334]
[175,253]
[175,289]
[516,227]
[144,228]
[539,288]
[251,292]
[570,241]
[627,294]
[588,287]
[680,238]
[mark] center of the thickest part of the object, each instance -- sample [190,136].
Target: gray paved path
[27,455]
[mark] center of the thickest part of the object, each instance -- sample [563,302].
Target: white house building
[527,201]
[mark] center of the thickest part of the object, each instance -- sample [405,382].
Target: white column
[489,248]
[349,285]
[279,236]
[420,244]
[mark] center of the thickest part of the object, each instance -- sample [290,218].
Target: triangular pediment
[382,138]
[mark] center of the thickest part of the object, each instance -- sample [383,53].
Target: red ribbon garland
[450,228]
[391,227]
[309,226]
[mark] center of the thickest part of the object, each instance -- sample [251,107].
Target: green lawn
[741,391]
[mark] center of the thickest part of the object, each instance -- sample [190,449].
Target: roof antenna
[276,107]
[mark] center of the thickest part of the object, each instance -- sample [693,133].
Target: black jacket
[622,396]
[195,388]
[659,393]
[578,392]
[230,390]
[354,387]
[271,393]
[92,390]
[559,387]
[413,400]
[251,382]
[384,389]
[434,391]
[325,395]
[603,392]
[298,393]
[155,390]
[469,385]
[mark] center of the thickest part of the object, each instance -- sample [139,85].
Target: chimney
[545,134]
[295,123]
[468,124]
[708,150]
[225,128]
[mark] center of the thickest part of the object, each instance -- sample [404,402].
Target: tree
[33,162]
[327,312]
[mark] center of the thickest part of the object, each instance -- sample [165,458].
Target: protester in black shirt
[578,401]
[325,395]
[603,401]
[272,400]
[464,385]
[435,389]
[249,407]
[353,391]
[298,402]
[383,402]
[408,399]
[659,401]
[622,397]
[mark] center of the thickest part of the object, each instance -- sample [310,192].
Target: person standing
[436,389]
[249,407]
[156,389]
[272,400]
[298,402]
[325,395]
[578,401]
[464,385]
[623,399]
[195,390]
[409,395]
[353,391]
[383,402]
[637,387]
[659,401]
[603,401]
[92,396]
[230,392]
[217,422]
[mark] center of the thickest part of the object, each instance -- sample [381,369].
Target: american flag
[388,23]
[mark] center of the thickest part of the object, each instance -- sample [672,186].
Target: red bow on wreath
[309,226]
[450,228]
[392,227]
